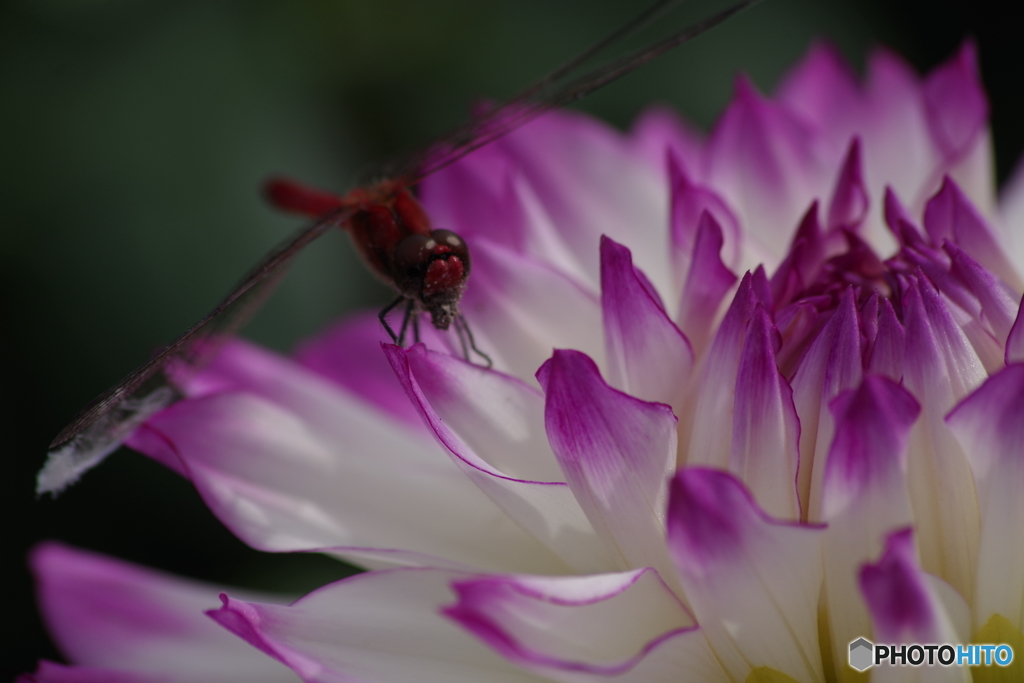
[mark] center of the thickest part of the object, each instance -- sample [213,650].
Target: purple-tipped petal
[761,157]
[616,452]
[955,103]
[850,199]
[629,626]
[709,443]
[690,202]
[648,357]
[708,280]
[144,624]
[899,221]
[864,494]
[385,627]
[660,130]
[288,462]
[832,364]
[990,426]
[890,343]
[903,604]
[753,582]
[940,368]
[493,427]
[765,429]
[950,215]
[869,449]
[992,315]
[825,90]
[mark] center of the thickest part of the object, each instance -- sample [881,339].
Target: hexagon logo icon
[861,651]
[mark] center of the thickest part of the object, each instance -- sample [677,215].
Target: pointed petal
[648,357]
[833,363]
[940,367]
[707,282]
[752,581]
[290,462]
[903,605]
[109,614]
[616,452]
[955,103]
[385,627]
[689,202]
[493,426]
[765,429]
[992,317]
[988,425]
[824,89]
[761,157]
[710,439]
[950,215]
[522,309]
[628,625]
[890,343]
[850,199]
[864,495]
[659,131]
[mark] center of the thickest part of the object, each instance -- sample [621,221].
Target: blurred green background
[134,135]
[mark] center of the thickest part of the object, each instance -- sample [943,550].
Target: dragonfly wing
[106,422]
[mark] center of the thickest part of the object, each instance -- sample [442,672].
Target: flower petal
[864,494]
[616,452]
[833,363]
[955,103]
[765,429]
[648,357]
[290,462]
[903,604]
[950,215]
[988,425]
[940,367]
[493,425]
[850,199]
[627,625]
[709,443]
[522,309]
[761,157]
[349,354]
[143,624]
[707,282]
[752,581]
[384,626]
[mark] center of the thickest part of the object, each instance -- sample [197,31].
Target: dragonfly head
[432,270]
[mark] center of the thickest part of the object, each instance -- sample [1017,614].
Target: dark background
[133,137]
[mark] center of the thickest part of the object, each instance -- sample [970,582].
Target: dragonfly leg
[410,309]
[462,327]
[383,316]
[416,327]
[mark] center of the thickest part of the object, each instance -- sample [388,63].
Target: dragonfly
[428,268]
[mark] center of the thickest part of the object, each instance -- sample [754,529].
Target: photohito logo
[864,654]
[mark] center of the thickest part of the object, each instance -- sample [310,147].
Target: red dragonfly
[390,229]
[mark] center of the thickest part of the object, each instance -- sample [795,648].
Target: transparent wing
[569,83]
[101,427]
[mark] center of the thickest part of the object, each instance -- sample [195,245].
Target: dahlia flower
[754,396]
